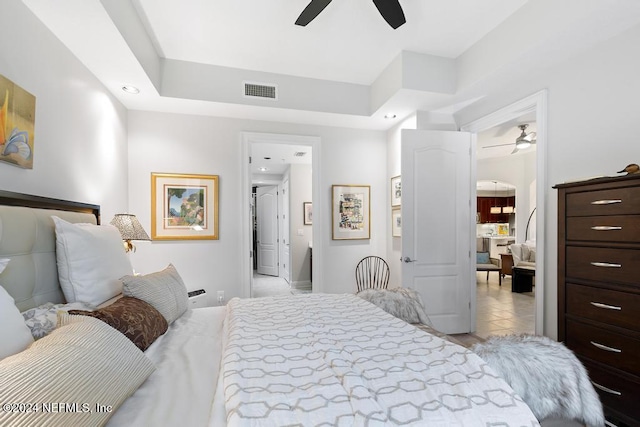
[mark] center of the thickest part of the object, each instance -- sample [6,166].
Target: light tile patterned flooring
[264,286]
[500,311]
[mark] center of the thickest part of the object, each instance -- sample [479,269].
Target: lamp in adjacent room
[495,209]
[130,229]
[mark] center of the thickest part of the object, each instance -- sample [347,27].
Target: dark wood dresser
[599,287]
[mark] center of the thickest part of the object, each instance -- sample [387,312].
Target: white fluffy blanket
[546,374]
[403,303]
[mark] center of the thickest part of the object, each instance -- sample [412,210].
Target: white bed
[298,360]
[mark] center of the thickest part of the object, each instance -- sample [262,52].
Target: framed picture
[307,208]
[184,207]
[17,122]
[396,191]
[351,212]
[396,222]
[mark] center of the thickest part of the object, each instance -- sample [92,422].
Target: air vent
[260,90]
[300,154]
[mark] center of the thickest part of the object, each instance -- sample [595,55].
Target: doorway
[280,173]
[532,108]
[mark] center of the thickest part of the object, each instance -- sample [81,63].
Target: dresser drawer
[616,392]
[604,346]
[603,264]
[603,305]
[614,228]
[617,201]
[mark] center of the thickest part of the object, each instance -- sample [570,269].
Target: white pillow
[91,259]
[164,290]
[84,362]
[15,336]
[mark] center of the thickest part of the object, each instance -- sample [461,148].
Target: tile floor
[500,311]
[264,286]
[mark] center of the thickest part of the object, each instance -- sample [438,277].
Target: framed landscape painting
[351,212]
[184,207]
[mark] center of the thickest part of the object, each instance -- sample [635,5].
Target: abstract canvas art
[17,121]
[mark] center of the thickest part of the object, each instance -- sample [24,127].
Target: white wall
[80,150]
[593,106]
[299,192]
[160,142]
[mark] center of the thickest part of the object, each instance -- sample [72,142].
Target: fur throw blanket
[403,303]
[546,374]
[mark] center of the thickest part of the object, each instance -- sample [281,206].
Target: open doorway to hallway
[281,177]
[531,189]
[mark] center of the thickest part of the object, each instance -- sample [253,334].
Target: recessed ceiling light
[263,169]
[130,89]
[390,116]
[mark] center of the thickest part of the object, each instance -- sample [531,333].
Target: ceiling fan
[525,140]
[390,10]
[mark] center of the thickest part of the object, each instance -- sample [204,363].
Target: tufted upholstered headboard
[27,237]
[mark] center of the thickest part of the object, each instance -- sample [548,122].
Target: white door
[267,230]
[285,259]
[436,225]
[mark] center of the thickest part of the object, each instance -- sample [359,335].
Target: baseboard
[304,285]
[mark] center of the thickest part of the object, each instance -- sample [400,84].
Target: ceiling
[348,42]
[347,68]
[276,158]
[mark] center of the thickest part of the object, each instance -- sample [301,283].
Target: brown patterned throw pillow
[136,319]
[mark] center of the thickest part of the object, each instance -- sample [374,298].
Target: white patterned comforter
[337,360]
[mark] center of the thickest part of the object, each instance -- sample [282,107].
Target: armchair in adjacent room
[488,264]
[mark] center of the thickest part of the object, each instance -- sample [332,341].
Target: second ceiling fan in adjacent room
[525,140]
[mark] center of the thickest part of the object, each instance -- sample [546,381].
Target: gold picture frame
[184,206]
[351,212]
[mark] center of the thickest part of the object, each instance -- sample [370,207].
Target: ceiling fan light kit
[525,140]
[390,10]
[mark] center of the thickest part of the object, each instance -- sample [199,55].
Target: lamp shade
[129,227]
[495,210]
[507,209]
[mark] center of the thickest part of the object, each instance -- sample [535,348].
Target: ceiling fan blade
[530,136]
[391,11]
[515,150]
[499,145]
[312,10]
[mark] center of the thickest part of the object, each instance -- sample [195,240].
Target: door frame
[246,262]
[534,103]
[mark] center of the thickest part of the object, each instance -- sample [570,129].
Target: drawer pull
[606,202]
[606,264]
[607,306]
[606,389]
[606,227]
[606,348]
